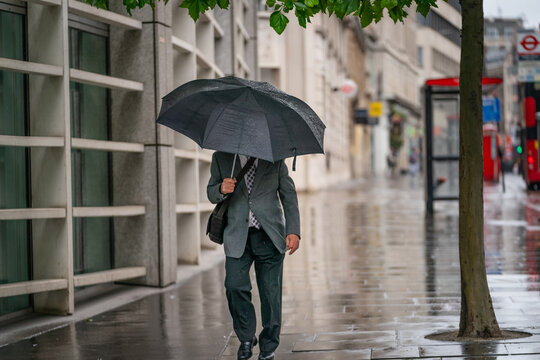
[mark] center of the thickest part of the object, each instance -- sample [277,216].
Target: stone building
[310,64]
[438,50]
[91,189]
[500,60]
[361,130]
[393,74]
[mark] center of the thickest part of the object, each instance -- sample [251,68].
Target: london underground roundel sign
[528,46]
[529,43]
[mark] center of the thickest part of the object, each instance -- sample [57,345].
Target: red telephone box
[492,161]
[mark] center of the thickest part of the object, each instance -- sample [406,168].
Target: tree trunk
[477,315]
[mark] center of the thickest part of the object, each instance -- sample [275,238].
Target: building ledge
[106,276]
[90,144]
[31,141]
[32,213]
[45,2]
[102,15]
[32,287]
[109,211]
[28,67]
[111,82]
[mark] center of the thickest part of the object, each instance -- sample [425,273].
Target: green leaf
[346,7]
[312,3]
[224,4]
[270,3]
[289,4]
[397,14]
[300,5]
[278,21]
[330,6]
[340,8]
[377,10]
[389,4]
[323,5]
[102,4]
[301,20]
[423,6]
[366,13]
[195,7]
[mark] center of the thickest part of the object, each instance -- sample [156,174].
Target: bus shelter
[442,138]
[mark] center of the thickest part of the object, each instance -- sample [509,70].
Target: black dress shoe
[266,356]
[245,351]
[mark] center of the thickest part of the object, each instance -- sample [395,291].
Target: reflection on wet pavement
[371,279]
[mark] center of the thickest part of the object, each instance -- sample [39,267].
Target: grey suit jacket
[273,201]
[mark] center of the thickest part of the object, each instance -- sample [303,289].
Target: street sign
[375,109]
[528,47]
[528,51]
[529,71]
[348,88]
[491,109]
[361,117]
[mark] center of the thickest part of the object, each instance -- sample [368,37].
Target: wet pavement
[371,279]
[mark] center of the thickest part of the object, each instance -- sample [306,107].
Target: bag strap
[240,176]
[243,171]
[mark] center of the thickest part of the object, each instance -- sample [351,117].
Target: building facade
[361,130]
[91,189]
[500,60]
[310,64]
[438,56]
[393,76]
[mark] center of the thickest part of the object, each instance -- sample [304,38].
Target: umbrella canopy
[245,117]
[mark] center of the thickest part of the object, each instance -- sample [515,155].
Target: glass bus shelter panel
[445,126]
[445,179]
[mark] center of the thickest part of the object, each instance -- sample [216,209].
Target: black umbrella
[245,117]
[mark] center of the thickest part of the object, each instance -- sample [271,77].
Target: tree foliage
[367,10]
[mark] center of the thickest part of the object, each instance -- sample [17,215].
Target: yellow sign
[375,109]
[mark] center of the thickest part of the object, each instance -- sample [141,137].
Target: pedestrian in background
[263,222]
[414,161]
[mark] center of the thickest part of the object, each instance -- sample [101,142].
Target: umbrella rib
[268,127]
[291,142]
[215,122]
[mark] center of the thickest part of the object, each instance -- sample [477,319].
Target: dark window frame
[20,8]
[440,25]
[80,25]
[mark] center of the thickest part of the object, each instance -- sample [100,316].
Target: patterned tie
[250,177]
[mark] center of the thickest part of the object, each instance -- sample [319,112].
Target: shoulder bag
[218,218]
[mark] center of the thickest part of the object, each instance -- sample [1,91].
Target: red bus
[530,103]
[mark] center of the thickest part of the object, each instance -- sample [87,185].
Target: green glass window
[91,173]
[14,235]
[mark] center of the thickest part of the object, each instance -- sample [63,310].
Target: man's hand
[227,186]
[293,243]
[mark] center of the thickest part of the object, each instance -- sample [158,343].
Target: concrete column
[146,178]
[49,111]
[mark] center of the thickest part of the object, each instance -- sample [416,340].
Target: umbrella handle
[233,164]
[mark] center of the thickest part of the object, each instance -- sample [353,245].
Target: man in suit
[263,222]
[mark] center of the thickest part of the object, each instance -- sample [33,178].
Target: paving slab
[372,278]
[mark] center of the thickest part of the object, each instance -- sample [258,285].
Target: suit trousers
[269,273]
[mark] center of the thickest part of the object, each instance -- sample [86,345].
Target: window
[271,76]
[492,32]
[455,4]
[441,25]
[91,172]
[14,161]
[420,56]
[508,32]
[444,64]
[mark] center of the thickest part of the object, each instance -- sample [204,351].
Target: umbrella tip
[294,160]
